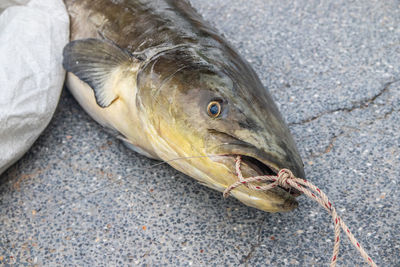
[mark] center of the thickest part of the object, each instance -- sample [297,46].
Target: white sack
[33,34]
[7,3]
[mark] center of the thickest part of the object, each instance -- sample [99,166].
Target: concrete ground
[80,198]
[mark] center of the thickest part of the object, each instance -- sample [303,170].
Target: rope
[286,179]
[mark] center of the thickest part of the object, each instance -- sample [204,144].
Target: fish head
[206,114]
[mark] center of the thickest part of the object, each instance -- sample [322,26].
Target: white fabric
[7,3]
[33,34]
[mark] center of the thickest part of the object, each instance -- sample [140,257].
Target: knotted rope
[286,179]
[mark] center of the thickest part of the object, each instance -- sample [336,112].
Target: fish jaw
[214,171]
[211,172]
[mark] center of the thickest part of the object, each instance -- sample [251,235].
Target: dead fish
[171,87]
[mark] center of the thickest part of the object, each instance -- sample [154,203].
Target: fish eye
[214,109]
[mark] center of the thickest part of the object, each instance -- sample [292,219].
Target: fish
[163,79]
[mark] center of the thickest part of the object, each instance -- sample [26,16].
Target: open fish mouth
[255,160]
[277,199]
[264,169]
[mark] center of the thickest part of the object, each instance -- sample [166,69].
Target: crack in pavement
[333,139]
[358,105]
[247,257]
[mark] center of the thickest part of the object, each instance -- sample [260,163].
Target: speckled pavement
[80,198]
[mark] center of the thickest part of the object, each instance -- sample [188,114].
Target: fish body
[171,87]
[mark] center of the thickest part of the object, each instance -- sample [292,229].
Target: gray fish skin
[149,71]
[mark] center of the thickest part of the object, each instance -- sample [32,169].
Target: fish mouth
[263,169]
[277,199]
[257,162]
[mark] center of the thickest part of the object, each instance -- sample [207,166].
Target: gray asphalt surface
[77,198]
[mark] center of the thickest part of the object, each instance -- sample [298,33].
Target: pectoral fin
[94,61]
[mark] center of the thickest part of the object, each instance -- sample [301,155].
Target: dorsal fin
[94,61]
